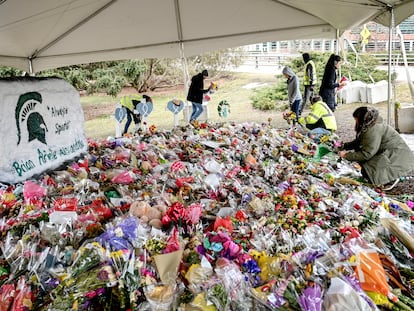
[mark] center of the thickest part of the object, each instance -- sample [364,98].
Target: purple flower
[100,291]
[311,299]
[275,300]
[52,282]
[231,249]
[103,275]
[251,266]
[283,185]
[121,236]
[201,250]
[311,256]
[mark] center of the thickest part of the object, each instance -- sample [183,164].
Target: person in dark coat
[309,80]
[196,93]
[382,153]
[329,83]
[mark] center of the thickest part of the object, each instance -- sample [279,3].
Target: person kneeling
[379,149]
[320,120]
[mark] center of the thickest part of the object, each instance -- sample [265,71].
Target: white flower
[119,233]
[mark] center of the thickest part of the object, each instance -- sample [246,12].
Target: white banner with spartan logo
[42,126]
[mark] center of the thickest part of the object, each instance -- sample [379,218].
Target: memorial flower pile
[250,218]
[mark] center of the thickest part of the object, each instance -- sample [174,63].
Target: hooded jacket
[382,152]
[292,85]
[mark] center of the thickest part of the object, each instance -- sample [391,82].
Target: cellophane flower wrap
[311,298]
[234,282]
[121,236]
[76,292]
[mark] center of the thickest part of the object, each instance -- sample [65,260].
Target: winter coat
[382,153]
[196,90]
[292,86]
[328,86]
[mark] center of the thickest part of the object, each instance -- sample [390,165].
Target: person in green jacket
[382,153]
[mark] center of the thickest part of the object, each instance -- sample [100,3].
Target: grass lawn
[237,89]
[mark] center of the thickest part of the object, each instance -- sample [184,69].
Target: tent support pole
[182,54]
[337,51]
[404,55]
[30,66]
[185,68]
[389,63]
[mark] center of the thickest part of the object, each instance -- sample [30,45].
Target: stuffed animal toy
[147,213]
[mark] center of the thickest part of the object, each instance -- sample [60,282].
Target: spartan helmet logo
[36,126]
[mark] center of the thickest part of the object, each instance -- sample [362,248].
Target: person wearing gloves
[309,80]
[294,95]
[379,149]
[196,93]
[320,116]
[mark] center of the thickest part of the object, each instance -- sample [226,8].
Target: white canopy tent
[42,34]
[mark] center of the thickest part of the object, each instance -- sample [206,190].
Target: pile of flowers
[252,218]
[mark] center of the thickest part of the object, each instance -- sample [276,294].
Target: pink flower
[90,294]
[194,213]
[231,248]
[220,237]
[166,220]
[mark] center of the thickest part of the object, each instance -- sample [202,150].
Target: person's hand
[342,154]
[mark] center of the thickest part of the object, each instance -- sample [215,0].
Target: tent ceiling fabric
[43,34]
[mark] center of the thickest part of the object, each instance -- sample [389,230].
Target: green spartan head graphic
[36,126]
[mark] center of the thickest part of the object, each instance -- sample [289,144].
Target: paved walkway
[401,71]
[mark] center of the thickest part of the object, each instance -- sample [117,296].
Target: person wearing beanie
[309,80]
[196,93]
[294,95]
[379,149]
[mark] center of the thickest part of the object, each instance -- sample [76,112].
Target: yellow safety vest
[126,101]
[306,79]
[320,110]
